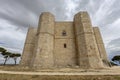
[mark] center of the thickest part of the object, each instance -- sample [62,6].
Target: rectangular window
[65,46]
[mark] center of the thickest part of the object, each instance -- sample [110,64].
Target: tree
[2,50]
[15,56]
[113,64]
[116,58]
[6,56]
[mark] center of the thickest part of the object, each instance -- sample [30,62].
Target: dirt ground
[57,77]
[12,73]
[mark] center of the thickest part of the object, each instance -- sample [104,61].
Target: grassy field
[55,77]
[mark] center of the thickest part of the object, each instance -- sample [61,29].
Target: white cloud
[11,37]
[71,8]
[103,11]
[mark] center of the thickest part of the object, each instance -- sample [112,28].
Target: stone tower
[64,44]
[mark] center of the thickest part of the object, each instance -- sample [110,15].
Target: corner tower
[29,47]
[88,54]
[43,52]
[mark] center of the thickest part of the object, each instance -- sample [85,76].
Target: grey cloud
[113,53]
[107,12]
[12,20]
[39,6]
[16,16]
[10,43]
[113,47]
[115,42]
[112,16]
[24,12]
[58,8]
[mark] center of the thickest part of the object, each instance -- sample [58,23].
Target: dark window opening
[64,33]
[65,46]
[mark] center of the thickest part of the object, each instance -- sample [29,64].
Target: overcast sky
[17,15]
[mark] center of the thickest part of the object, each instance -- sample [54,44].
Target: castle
[64,44]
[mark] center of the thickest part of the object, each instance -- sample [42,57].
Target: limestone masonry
[64,44]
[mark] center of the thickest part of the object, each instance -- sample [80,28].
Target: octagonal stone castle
[64,44]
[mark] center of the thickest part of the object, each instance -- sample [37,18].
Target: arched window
[64,33]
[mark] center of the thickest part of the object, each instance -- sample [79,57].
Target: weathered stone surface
[28,47]
[64,44]
[85,40]
[64,26]
[64,56]
[101,47]
[45,42]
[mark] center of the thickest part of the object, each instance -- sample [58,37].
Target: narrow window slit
[65,46]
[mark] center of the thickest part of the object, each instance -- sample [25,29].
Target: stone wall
[29,47]
[101,48]
[64,49]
